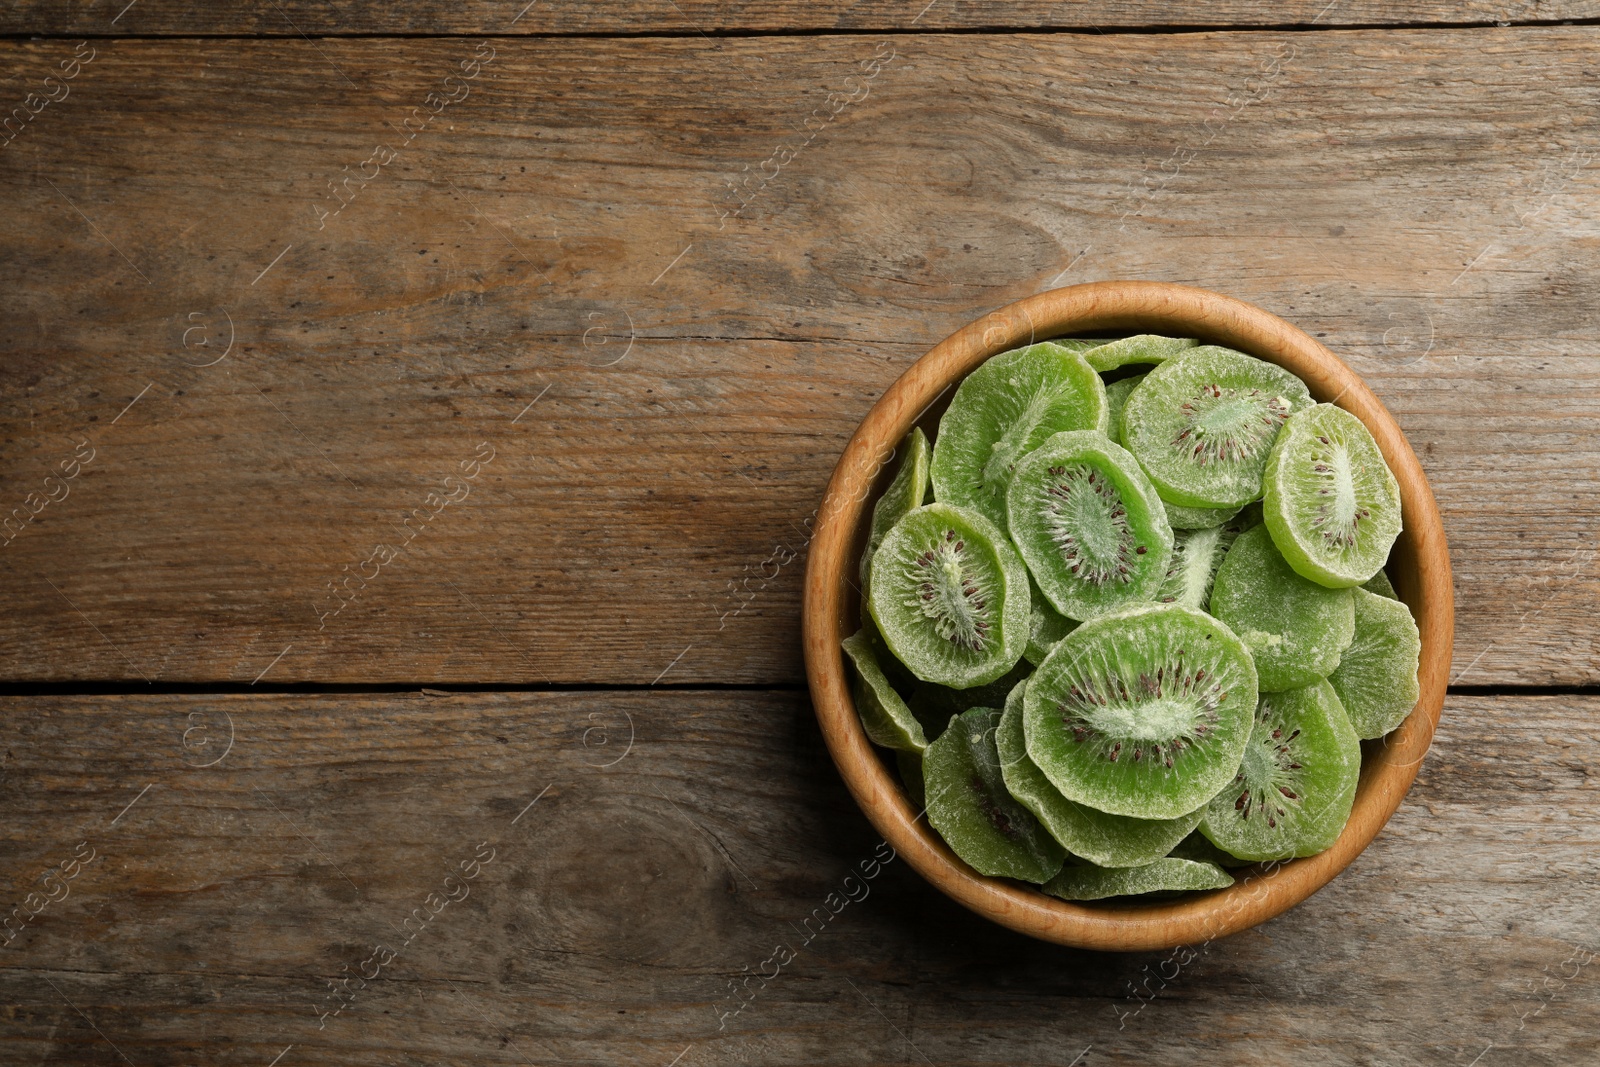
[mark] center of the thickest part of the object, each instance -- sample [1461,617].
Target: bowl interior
[1418,567]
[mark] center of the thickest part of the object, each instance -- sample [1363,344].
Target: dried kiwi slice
[1002,411]
[1196,556]
[1203,426]
[1379,583]
[1296,783]
[1089,525]
[1108,840]
[1377,675]
[1295,629]
[1163,876]
[1182,518]
[1116,398]
[1196,847]
[1142,713]
[884,714]
[1141,348]
[1049,625]
[969,805]
[905,492]
[950,596]
[1330,501]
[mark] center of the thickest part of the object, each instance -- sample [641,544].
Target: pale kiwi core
[945,591]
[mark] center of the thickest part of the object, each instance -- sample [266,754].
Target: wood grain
[566,234]
[294,17]
[616,910]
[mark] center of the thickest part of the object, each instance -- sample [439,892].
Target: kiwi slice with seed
[884,714]
[1049,625]
[1296,783]
[1089,525]
[1329,498]
[1141,348]
[1379,583]
[1196,556]
[1101,838]
[950,596]
[906,491]
[969,805]
[1377,675]
[1142,713]
[1295,629]
[1203,426]
[1116,398]
[1163,876]
[1002,411]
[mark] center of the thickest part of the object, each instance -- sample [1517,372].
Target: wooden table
[412,416]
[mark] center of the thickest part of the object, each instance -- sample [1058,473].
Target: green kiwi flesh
[1002,411]
[1182,518]
[1048,626]
[905,492]
[1203,426]
[1142,713]
[950,596]
[1295,629]
[1196,556]
[1296,783]
[969,805]
[1168,875]
[1099,837]
[1116,397]
[1141,348]
[1330,500]
[1379,583]
[1089,525]
[884,714]
[1377,675]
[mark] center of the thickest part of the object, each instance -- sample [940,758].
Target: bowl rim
[1419,566]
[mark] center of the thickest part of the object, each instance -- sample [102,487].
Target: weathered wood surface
[186,18]
[588,228]
[615,911]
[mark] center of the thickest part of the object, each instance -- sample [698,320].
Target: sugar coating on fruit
[1295,629]
[967,802]
[1225,424]
[1143,713]
[904,493]
[1089,525]
[884,714]
[1203,425]
[1330,500]
[1377,675]
[1167,875]
[950,596]
[1002,411]
[1088,522]
[1296,783]
[1097,836]
[954,595]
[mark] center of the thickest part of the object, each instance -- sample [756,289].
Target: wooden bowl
[1419,568]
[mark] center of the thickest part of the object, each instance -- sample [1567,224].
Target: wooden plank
[616,912]
[291,18]
[587,230]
